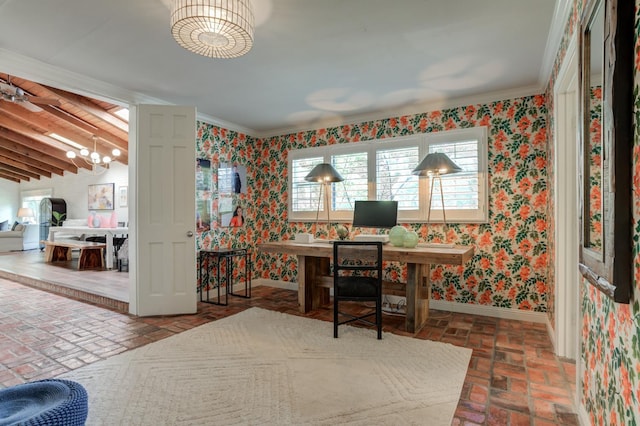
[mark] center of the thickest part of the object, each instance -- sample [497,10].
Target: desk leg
[311,296]
[418,293]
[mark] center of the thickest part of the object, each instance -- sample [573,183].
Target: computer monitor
[375,214]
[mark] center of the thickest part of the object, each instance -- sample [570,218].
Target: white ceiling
[314,63]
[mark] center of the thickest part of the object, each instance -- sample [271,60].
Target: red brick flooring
[513,376]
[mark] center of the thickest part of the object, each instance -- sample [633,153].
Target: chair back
[357,277]
[357,256]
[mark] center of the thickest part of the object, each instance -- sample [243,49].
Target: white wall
[73,188]
[9,200]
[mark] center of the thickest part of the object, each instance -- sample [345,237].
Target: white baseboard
[583,416]
[237,288]
[552,336]
[488,311]
[287,285]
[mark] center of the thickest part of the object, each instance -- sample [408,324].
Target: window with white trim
[381,170]
[32,198]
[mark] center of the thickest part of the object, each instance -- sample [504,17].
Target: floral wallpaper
[510,266]
[609,379]
[595,172]
[513,264]
[610,331]
[220,145]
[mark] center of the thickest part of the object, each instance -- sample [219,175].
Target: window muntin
[394,180]
[460,189]
[381,170]
[304,195]
[32,198]
[354,169]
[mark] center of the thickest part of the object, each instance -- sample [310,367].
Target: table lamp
[435,165]
[323,173]
[25,213]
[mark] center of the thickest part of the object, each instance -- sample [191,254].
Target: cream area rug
[261,367]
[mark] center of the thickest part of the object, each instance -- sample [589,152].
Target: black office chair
[357,277]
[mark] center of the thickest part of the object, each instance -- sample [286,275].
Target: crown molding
[559,21]
[226,125]
[32,69]
[430,105]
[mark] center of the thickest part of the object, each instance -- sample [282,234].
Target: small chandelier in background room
[93,158]
[213,28]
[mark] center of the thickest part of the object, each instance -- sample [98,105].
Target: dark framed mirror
[606,78]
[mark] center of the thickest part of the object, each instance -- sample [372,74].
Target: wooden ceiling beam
[7,161]
[91,108]
[39,151]
[9,176]
[39,120]
[8,153]
[18,172]
[110,139]
[47,143]
[25,145]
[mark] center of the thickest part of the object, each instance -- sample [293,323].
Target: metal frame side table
[216,258]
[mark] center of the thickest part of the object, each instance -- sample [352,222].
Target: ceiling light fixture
[93,158]
[213,28]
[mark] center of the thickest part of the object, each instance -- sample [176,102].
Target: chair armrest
[11,234]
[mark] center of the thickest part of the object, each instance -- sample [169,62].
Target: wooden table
[314,280]
[90,253]
[85,230]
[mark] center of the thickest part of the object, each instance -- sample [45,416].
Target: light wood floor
[106,287]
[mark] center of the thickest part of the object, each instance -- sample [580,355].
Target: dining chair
[357,277]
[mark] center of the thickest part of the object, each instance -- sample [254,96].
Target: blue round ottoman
[45,402]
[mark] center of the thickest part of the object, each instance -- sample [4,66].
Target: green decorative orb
[410,239]
[396,235]
[342,232]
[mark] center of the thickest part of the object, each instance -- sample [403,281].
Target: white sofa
[24,237]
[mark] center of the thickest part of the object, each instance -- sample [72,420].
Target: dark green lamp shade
[323,172]
[436,163]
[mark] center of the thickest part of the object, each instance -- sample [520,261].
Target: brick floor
[513,376]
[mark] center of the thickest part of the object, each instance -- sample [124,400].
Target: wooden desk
[314,280]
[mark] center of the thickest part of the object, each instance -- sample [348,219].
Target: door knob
[189,234]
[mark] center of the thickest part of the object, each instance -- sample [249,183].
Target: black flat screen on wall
[375,214]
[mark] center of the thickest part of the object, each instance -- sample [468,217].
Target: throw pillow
[4,226]
[19,227]
[13,228]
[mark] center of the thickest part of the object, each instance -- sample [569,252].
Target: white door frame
[566,234]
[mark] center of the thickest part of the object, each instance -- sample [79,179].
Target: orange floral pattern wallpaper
[609,374]
[511,262]
[513,265]
[510,265]
[610,332]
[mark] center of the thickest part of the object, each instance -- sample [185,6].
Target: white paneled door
[165,246]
